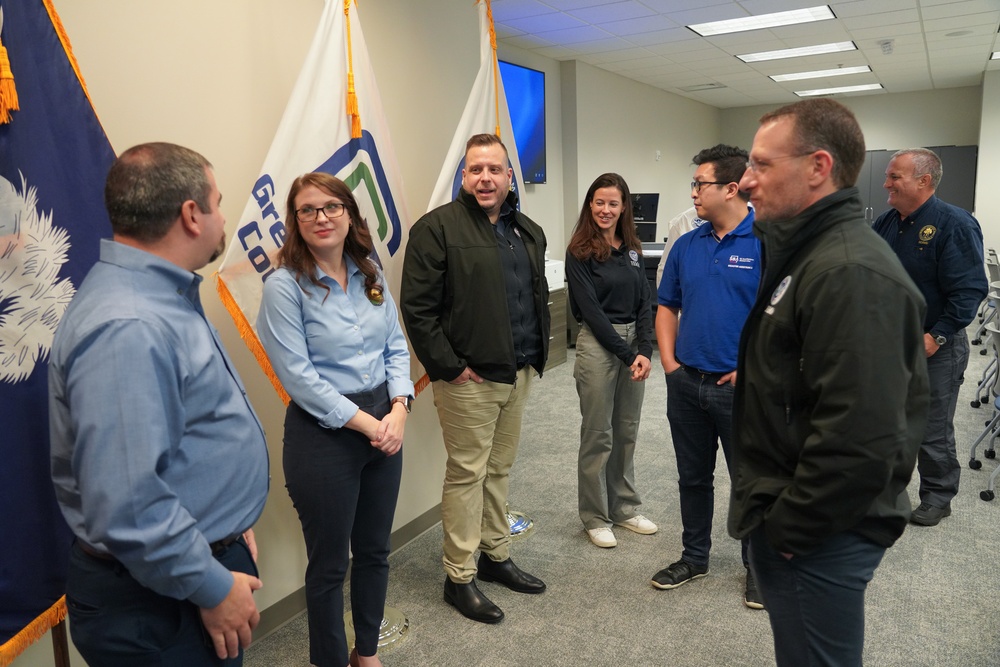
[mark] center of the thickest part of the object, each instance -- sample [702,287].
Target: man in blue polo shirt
[711,276]
[941,247]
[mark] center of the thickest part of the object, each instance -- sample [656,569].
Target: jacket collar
[782,239]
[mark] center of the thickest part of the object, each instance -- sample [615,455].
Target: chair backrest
[993,332]
[993,269]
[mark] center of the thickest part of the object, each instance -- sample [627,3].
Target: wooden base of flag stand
[60,645]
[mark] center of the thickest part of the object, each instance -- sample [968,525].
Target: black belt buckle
[220,546]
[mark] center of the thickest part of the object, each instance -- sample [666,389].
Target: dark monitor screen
[525,92]
[646,231]
[644,206]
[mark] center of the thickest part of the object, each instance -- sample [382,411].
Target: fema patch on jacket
[634,256]
[778,293]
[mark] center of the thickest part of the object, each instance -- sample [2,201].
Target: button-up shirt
[323,345]
[156,451]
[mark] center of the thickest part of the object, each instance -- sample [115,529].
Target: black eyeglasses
[698,185]
[331,211]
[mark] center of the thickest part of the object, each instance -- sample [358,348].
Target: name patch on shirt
[737,262]
[634,257]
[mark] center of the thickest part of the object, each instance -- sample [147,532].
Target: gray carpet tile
[932,602]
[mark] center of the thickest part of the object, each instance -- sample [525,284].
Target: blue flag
[54,157]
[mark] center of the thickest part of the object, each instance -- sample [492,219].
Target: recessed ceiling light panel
[799,52]
[842,89]
[808,15]
[820,73]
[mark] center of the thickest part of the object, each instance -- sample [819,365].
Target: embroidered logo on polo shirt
[634,256]
[927,232]
[737,262]
[778,293]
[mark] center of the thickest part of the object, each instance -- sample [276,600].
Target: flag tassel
[249,337]
[8,93]
[31,633]
[352,107]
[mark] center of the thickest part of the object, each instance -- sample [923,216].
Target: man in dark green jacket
[832,394]
[475,304]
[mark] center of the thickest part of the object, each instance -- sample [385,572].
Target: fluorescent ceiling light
[815,50]
[842,89]
[808,15]
[995,56]
[820,73]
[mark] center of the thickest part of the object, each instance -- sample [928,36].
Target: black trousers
[344,491]
[117,622]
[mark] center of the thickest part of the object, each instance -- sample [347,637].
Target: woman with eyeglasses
[331,331]
[610,296]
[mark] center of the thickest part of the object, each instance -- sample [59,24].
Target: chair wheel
[990,453]
[975,404]
[974,464]
[983,351]
[976,341]
[987,495]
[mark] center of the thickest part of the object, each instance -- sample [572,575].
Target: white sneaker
[602,537]
[638,524]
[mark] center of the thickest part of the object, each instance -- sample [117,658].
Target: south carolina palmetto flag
[333,123]
[54,157]
[485,113]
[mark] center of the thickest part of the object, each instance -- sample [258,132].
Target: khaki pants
[481,424]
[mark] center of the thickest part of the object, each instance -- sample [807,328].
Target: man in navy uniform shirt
[941,247]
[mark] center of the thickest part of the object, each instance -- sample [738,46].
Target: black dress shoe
[471,603]
[510,575]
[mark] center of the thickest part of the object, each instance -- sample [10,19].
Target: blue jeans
[344,491]
[117,622]
[700,413]
[816,602]
[937,461]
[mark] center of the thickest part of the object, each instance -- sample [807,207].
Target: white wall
[988,173]
[890,121]
[620,125]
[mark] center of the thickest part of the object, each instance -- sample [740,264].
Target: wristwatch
[405,400]
[940,340]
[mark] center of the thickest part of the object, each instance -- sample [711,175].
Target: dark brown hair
[588,240]
[295,254]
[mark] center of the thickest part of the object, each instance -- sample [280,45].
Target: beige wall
[620,125]
[890,121]
[988,173]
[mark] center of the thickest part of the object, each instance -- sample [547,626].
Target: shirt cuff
[215,588]
[343,411]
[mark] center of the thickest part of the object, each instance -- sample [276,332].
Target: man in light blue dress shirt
[159,462]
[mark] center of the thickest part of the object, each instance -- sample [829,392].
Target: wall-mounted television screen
[525,90]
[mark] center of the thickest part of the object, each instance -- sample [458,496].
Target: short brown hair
[485,139]
[825,124]
[148,184]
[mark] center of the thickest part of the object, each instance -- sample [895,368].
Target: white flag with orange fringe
[333,123]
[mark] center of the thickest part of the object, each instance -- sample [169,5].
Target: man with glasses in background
[832,395]
[711,276]
[941,247]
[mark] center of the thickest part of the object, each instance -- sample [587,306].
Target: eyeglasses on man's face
[759,165]
[698,185]
[331,211]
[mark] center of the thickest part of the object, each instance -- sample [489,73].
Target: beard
[219,249]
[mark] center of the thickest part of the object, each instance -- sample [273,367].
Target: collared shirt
[516,267]
[156,451]
[615,291]
[714,283]
[941,247]
[323,345]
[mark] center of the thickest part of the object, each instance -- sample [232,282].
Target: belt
[704,375]
[216,547]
